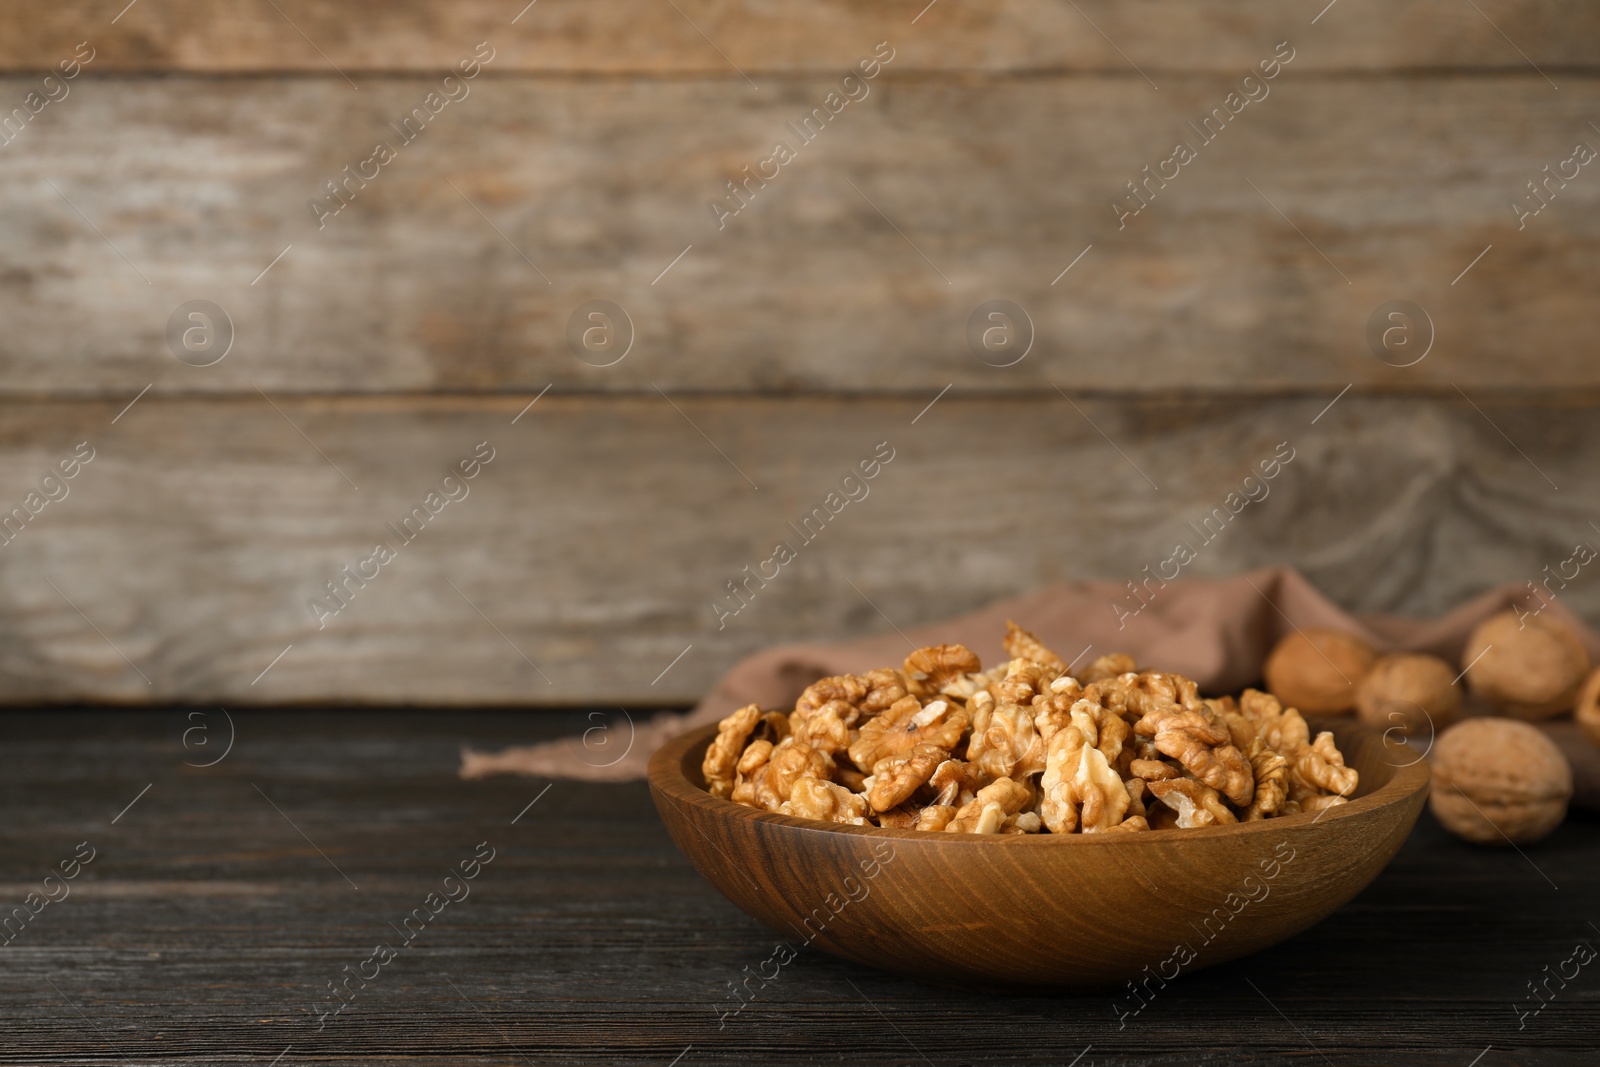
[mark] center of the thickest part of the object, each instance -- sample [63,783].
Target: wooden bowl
[1039,911]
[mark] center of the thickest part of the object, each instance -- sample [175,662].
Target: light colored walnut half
[843,687]
[884,686]
[1026,822]
[902,818]
[790,761]
[1108,666]
[1196,803]
[853,696]
[927,670]
[990,807]
[825,729]
[1021,644]
[1007,745]
[1272,780]
[1080,789]
[1205,750]
[1155,770]
[957,782]
[755,757]
[896,778]
[813,798]
[1321,764]
[723,755]
[1283,729]
[904,726]
[1024,680]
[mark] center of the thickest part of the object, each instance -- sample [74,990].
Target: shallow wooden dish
[1068,912]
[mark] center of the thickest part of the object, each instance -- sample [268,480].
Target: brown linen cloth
[1217,632]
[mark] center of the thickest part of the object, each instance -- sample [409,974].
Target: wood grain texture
[603,535]
[206,929]
[1040,912]
[640,37]
[458,267]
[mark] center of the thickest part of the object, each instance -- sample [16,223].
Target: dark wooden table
[221,902]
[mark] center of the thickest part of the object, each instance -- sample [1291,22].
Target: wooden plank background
[777,350]
[1001,186]
[712,37]
[597,541]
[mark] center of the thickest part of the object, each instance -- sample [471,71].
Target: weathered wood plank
[639,36]
[594,547]
[206,929]
[1389,189]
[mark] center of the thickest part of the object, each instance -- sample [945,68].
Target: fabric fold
[1216,631]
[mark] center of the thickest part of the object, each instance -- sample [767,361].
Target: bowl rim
[666,777]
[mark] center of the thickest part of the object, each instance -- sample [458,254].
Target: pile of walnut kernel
[1023,748]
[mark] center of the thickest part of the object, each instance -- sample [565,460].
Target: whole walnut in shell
[1409,691]
[1498,780]
[1317,671]
[1529,667]
[1588,707]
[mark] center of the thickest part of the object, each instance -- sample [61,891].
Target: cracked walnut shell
[1498,781]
